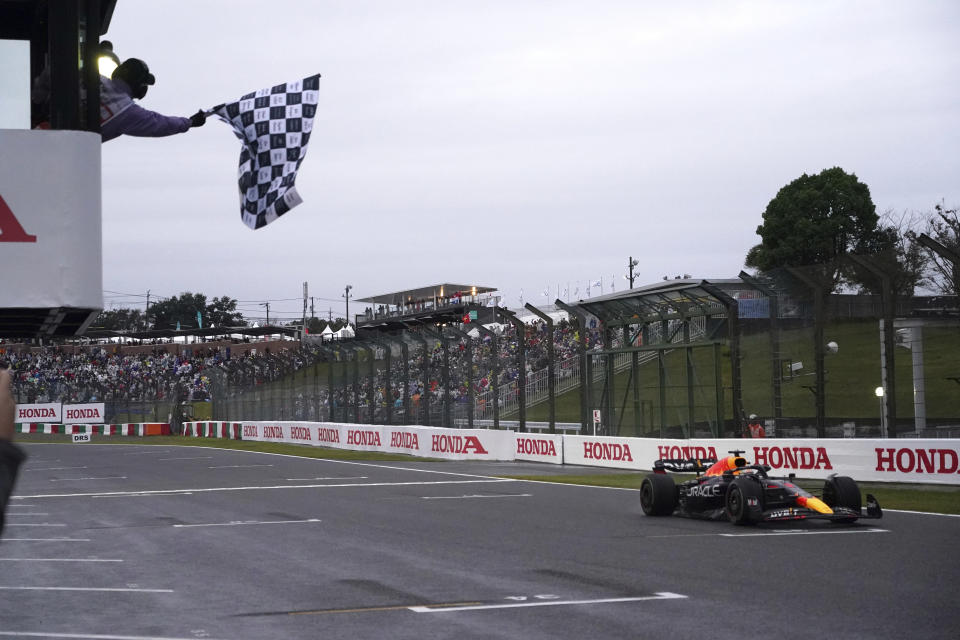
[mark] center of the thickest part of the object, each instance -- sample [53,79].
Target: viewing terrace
[432,304]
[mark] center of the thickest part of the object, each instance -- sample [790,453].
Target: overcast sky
[519,145]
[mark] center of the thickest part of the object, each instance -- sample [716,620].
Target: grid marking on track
[662,595]
[261,488]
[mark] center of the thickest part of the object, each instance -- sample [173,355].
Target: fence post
[495,383]
[471,393]
[585,382]
[521,329]
[551,365]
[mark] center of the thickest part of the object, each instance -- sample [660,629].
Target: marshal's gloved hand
[198,119]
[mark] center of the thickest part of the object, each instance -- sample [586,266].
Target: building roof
[667,299]
[445,289]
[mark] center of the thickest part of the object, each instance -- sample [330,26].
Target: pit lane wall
[933,461]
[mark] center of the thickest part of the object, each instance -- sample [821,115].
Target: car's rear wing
[683,465]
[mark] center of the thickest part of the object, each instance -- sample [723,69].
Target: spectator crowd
[111,374]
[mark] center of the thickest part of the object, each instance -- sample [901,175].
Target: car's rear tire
[658,495]
[842,491]
[744,501]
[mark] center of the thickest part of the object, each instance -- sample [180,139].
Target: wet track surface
[133,541]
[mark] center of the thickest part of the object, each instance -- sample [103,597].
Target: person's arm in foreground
[10,454]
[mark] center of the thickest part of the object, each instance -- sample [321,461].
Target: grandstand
[656,360]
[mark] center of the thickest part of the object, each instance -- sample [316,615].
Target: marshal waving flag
[274,125]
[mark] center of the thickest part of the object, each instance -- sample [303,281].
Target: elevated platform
[434,304]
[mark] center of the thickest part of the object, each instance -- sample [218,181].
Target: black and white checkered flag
[274,125]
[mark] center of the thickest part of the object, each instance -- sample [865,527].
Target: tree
[905,259]
[222,312]
[120,320]
[815,220]
[182,310]
[944,227]
[315,325]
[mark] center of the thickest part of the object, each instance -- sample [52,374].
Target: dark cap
[134,71]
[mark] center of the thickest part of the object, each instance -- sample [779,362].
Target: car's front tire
[744,501]
[842,491]
[658,495]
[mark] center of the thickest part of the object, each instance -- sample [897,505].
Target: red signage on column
[10,228]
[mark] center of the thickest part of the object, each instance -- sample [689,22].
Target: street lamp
[883,414]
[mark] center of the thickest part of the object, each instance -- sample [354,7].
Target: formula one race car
[745,494]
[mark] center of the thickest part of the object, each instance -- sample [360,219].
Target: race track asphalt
[147,541]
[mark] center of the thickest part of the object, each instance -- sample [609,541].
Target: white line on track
[466,497]
[28,514]
[664,595]
[384,466]
[61,560]
[237,523]
[923,513]
[195,458]
[144,453]
[53,468]
[327,478]
[46,539]
[136,494]
[239,466]
[34,524]
[799,532]
[261,488]
[83,636]
[94,589]
[78,479]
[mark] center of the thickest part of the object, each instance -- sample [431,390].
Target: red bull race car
[744,494]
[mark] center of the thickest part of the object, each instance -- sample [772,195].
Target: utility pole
[311,308]
[330,315]
[146,312]
[631,263]
[347,296]
[303,327]
[267,305]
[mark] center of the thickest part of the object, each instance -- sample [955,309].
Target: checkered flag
[274,125]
